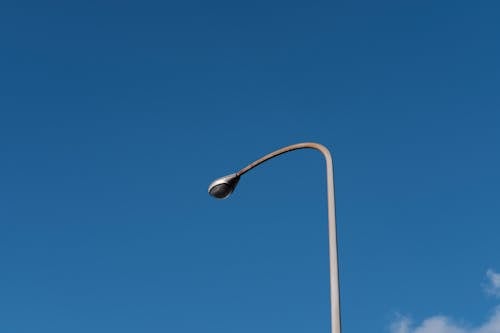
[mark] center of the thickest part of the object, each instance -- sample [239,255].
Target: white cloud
[442,324]
[493,286]
[401,325]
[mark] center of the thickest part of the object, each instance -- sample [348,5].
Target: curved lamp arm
[281,151]
[224,186]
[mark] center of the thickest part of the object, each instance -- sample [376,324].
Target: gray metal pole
[332,228]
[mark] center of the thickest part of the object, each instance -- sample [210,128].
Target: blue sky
[115,117]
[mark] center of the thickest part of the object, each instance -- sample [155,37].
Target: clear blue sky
[116,115]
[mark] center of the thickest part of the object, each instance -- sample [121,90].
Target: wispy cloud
[442,324]
[493,285]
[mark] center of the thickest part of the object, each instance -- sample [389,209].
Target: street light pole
[224,186]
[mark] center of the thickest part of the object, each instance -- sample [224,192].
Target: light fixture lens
[220,191]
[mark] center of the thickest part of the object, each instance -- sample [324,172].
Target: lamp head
[222,187]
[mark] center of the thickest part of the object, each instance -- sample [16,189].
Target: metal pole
[332,228]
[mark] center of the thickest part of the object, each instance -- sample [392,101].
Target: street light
[222,187]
